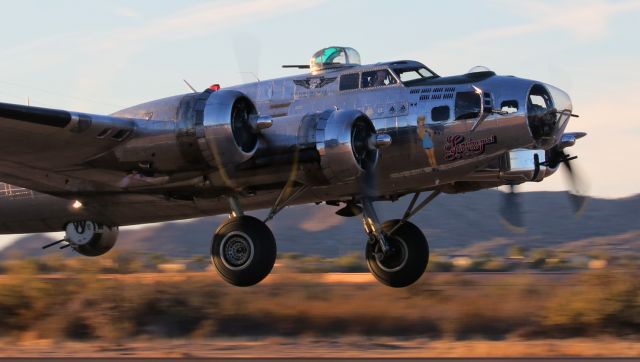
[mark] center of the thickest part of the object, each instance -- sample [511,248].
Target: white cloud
[96,57]
[126,12]
[204,19]
[584,20]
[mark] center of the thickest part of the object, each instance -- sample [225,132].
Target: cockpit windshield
[413,74]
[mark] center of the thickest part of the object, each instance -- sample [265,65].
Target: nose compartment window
[467,105]
[510,106]
[541,113]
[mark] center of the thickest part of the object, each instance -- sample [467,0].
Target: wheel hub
[236,251]
[395,258]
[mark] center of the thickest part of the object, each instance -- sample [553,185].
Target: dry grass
[442,306]
[329,315]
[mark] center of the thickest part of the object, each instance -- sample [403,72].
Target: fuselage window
[510,106]
[467,105]
[440,114]
[349,81]
[377,78]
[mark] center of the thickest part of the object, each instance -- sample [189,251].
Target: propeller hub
[260,122]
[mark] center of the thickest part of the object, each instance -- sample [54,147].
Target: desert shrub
[291,256]
[83,305]
[517,251]
[439,264]
[600,303]
[350,263]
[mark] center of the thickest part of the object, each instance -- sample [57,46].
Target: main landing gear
[406,258]
[397,251]
[243,249]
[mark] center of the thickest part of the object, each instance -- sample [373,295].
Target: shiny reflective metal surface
[182,156]
[524,165]
[342,144]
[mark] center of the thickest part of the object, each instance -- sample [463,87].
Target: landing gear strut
[397,251]
[406,259]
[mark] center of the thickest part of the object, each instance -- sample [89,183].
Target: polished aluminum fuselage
[406,166]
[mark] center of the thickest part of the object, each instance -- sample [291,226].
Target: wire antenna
[251,73]
[190,86]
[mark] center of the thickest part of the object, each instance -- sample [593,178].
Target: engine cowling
[90,238]
[344,141]
[224,128]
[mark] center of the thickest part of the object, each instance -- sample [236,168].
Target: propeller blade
[511,211]
[579,203]
[366,144]
[247,48]
[576,195]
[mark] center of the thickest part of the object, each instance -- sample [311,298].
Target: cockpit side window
[377,78]
[467,105]
[349,81]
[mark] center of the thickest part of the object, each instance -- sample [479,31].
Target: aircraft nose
[548,110]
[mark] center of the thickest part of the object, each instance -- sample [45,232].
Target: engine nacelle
[224,128]
[345,142]
[90,238]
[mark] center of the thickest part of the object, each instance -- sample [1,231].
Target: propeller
[511,210]
[247,48]
[578,201]
[367,144]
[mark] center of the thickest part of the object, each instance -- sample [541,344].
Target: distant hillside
[452,223]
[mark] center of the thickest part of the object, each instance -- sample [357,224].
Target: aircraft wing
[46,149]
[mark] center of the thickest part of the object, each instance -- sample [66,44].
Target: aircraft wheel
[243,251]
[406,261]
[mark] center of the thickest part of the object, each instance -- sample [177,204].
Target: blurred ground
[347,347]
[195,314]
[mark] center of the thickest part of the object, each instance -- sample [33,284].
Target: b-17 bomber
[342,134]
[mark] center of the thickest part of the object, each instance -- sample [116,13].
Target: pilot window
[377,78]
[440,114]
[467,105]
[349,81]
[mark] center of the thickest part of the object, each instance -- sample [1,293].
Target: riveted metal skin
[179,157]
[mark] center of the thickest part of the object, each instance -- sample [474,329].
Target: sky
[100,56]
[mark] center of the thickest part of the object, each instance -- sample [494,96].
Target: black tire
[243,251]
[408,259]
[92,249]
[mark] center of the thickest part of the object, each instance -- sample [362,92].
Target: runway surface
[549,359]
